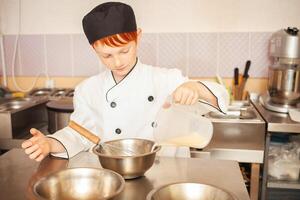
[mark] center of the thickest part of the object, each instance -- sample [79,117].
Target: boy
[122,101]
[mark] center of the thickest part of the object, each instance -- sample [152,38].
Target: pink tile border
[195,54]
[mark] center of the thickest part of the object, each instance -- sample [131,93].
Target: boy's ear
[139,34]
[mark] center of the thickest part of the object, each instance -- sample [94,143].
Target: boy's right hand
[37,147]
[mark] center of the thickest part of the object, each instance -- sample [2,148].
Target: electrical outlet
[49,83]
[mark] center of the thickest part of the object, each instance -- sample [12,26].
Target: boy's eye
[125,51]
[106,56]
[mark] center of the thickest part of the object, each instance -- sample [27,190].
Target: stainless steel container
[284,84]
[128,166]
[59,112]
[80,183]
[189,191]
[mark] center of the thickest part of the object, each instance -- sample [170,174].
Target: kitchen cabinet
[241,139]
[277,123]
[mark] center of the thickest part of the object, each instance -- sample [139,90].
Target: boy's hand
[187,93]
[37,147]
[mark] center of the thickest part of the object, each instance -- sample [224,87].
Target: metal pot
[59,112]
[284,84]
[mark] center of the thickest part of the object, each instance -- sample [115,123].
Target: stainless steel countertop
[243,142]
[277,122]
[236,139]
[18,173]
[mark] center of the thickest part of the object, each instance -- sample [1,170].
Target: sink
[12,104]
[51,93]
[241,111]
[234,114]
[18,115]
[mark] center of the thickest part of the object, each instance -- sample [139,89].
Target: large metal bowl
[129,157]
[80,183]
[189,191]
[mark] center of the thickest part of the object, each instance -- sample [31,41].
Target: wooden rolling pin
[84,132]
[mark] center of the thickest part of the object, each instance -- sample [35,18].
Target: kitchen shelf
[284,184]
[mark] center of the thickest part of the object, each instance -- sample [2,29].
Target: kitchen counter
[18,173]
[277,122]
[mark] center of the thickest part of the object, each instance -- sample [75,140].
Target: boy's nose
[117,62]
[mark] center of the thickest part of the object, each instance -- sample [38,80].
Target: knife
[236,83]
[244,79]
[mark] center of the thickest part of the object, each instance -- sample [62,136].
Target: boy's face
[120,60]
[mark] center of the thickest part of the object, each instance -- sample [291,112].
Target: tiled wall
[196,54]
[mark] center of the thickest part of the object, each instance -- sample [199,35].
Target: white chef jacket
[126,109]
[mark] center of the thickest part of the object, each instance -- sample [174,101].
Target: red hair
[117,40]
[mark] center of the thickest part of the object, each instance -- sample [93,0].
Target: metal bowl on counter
[41,92]
[59,93]
[116,157]
[80,183]
[189,191]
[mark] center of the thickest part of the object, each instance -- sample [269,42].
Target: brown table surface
[18,174]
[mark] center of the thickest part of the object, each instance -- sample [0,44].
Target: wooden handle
[84,132]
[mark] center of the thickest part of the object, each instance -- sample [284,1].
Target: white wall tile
[260,62]
[9,48]
[172,51]
[202,54]
[86,62]
[148,48]
[233,52]
[58,55]
[32,55]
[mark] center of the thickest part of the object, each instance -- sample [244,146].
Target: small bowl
[138,156]
[79,183]
[189,191]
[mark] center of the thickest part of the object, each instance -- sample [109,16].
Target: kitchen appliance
[284,73]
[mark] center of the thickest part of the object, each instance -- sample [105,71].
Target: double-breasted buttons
[113,104]
[154,124]
[150,98]
[118,131]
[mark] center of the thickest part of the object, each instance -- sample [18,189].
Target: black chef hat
[108,19]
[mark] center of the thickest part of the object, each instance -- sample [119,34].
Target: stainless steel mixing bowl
[112,157]
[189,191]
[80,183]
